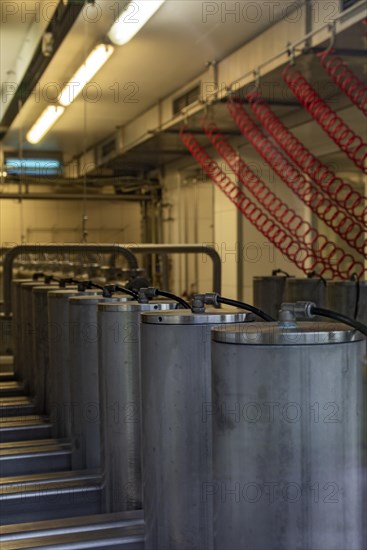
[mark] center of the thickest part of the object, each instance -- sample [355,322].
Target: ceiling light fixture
[85,73]
[132,20]
[40,128]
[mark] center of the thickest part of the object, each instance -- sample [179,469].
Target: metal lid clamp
[297,310]
[146,294]
[290,312]
[214,299]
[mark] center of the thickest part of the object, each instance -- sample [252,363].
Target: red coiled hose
[334,126]
[270,229]
[316,243]
[339,191]
[347,81]
[348,230]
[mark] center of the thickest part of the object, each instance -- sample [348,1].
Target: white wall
[61,221]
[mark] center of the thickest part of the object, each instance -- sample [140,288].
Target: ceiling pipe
[73,197]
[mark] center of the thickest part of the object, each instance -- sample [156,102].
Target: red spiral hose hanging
[348,230]
[347,81]
[313,241]
[334,126]
[317,244]
[270,229]
[340,192]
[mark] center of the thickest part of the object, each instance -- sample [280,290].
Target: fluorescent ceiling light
[33,167]
[85,73]
[40,128]
[132,20]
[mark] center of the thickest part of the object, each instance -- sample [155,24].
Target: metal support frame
[184,249]
[128,251]
[54,249]
[73,197]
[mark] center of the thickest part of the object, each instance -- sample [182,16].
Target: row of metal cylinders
[173,409]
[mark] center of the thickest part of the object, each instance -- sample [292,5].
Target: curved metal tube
[13,253]
[185,249]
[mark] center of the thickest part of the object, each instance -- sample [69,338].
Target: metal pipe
[71,196]
[57,248]
[184,249]
[165,271]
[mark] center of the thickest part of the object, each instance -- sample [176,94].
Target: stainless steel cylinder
[41,345]
[309,290]
[177,429]
[289,470]
[59,360]
[28,341]
[84,379]
[17,326]
[346,297]
[119,371]
[268,293]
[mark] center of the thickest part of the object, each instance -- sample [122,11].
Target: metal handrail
[185,249]
[54,249]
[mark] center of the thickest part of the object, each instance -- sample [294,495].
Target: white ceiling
[22,24]
[168,52]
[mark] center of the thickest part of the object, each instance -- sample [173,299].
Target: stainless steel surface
[185,249]
[177,440]
[84,382]
[289,464]
[76,525]
[268,293]
[342,296]
[56,499]
[129,537]
[24,428]
[29,342]
[41,347]
[186,317]
[287,334]
[30,457]
[17,326]
[16,406]
[59,360]
[119,372]
[301,290]
[6,337]
[13,253]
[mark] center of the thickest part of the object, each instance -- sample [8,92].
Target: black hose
[242,305]
[339,317]
[132,293]
[279,272]
[178,299]
[312,274]
[355,278]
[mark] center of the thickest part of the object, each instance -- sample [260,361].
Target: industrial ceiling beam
[63,19]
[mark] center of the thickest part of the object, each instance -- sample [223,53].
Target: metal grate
[186,99]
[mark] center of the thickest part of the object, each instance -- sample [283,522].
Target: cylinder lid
[272,277]
[31,284]
[294,281]
[52,287]
[66,293]
[21,281]
[211,316]
[90,300]
[286,334]
[135,306]
[346,283]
